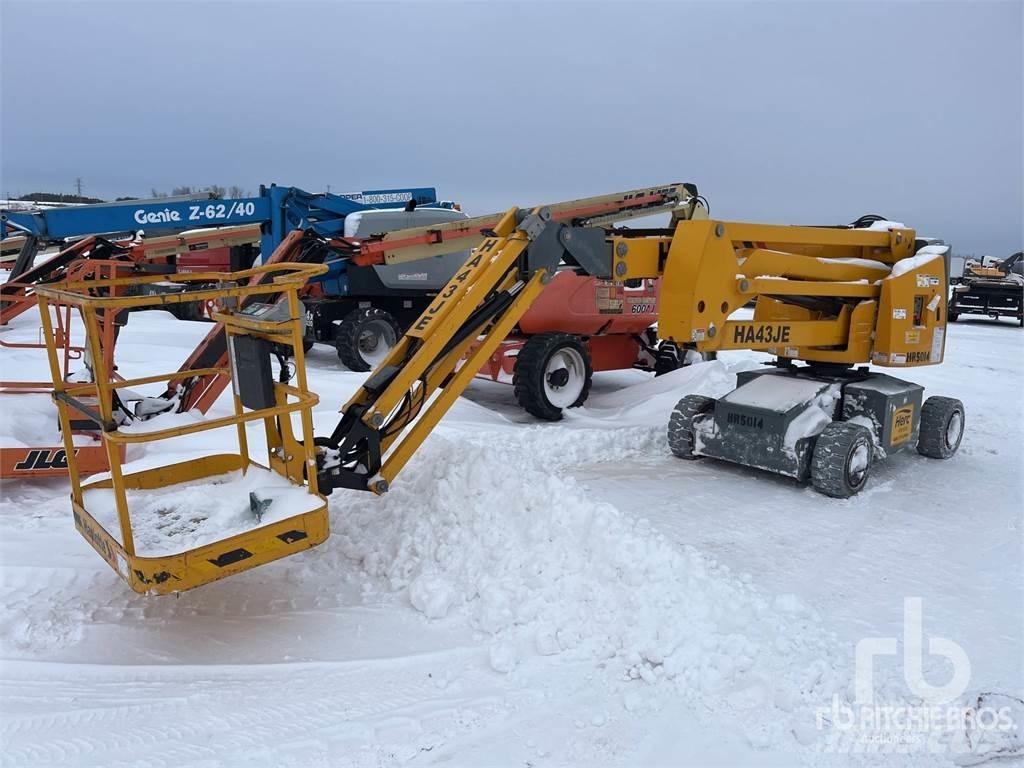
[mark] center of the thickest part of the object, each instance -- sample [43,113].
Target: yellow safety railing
[98,301]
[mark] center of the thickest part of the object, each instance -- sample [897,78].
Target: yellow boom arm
[828,295]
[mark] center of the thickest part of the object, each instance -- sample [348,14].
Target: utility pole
[78,186]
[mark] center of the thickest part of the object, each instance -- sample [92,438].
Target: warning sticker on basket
[899,314]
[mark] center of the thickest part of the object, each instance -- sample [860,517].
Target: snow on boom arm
[835,297]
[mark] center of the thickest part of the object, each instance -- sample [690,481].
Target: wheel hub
[375,341]
[368,340]
[954,428]
[564,377]
[857,467]
[559,378]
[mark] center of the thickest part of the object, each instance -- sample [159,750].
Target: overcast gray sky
[784,112]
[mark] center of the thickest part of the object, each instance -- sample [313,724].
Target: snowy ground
[528,594]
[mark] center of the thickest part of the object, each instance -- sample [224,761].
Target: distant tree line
[57,197]
[215,189]
[234,191]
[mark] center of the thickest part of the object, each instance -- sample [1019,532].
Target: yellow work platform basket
[175,526]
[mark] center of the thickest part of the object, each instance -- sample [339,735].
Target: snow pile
[885,226]
[496,533]
[169,520]
[903,266]
[30,421]
[650,402]
[775,392]
[973,746]
[818,414]
[881,267]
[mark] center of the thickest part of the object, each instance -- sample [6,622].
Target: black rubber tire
[346,337]
[287,351]
[188,310]
[668,358]
[681,440]
[671,358]
[936,415]
[834,449]
[953,317]
[528,374]
[194,311]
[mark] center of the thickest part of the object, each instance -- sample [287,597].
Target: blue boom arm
[80,220]
[278,209]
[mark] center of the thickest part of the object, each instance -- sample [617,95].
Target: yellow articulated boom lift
[828,299]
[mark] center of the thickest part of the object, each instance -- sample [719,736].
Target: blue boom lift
[278,210]
[352,313]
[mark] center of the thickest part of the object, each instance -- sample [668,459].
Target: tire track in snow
[229,710]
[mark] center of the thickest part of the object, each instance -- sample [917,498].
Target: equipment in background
[235,231]
[394,265]
[75,363]
[10,247]
[578,326]
[277,210]
[400,247]
[224,249]
[98,259]
[362,304]
[365,334]
[995,290]
[361,311]
[235,513]
[191,228]
[17,294]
